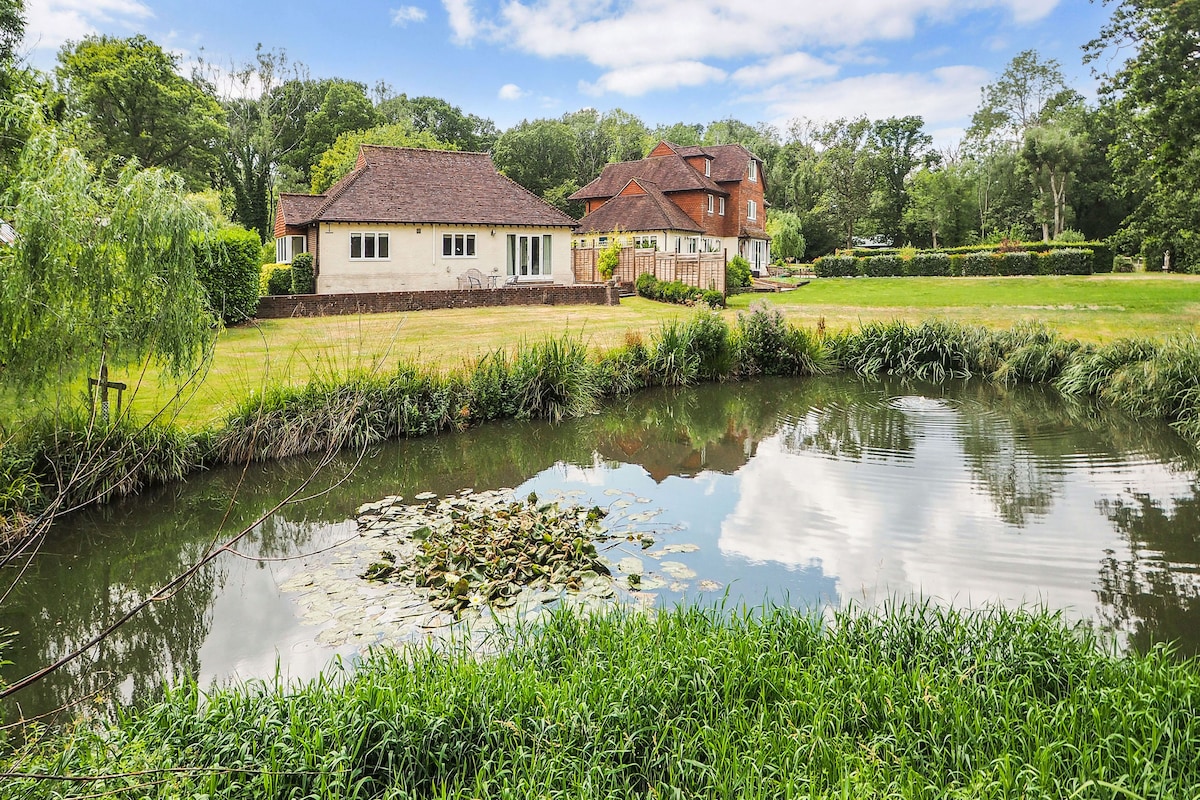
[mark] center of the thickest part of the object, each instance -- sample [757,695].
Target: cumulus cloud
[939,96]
[801,66]
[462,20]
[510,91]
[637,80]
[623,36]
[406,14]
[51,23]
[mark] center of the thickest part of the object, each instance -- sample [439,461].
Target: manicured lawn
[1092,308]
[290,351]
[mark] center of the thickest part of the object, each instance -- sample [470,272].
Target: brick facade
[284,306]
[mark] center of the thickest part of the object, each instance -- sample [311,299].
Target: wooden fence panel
[702,270]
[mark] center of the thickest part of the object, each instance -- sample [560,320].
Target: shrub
[625,369]
[1103,257]
[279,281]
[883,266]
[1068,261]
[1124,264]
[609,259]
[980,264]
[1017,263]
[765,344]
[956,265]
[737,273]
[675,292]
[836,267]
[227,264]
[303,281]
[1070,236]
[928,264]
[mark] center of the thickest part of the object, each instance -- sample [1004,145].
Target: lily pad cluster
[473,554]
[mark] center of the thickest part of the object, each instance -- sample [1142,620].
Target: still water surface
[816,492]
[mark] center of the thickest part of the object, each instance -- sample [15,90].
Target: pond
[819,492]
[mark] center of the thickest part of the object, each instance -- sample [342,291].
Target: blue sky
[664,60]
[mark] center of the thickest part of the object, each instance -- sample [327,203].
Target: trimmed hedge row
[1102,255]
[227,265]
[1060,261]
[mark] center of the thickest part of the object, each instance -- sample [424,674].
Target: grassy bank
[65,462]
[911,702]
[291,352]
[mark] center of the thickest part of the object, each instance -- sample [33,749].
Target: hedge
[975,264]
[279,281]
[302,274]
[836,267]
[1102,254]
[928,264]
[1068,261]
[883,266]
[1018,263]
[227,264]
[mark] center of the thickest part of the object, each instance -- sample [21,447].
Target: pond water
[814,493]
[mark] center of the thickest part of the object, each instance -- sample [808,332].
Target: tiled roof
[298,209]
[729,160]
[669,173]
[652,211]
[408,185]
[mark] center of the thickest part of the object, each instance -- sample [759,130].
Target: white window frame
[753,171]
[710,245]
[751,210]
[721,206]
[376,238]
[646,242]
[710,204]
[528,255]
[691,244]
[456,242]
[708,167]
[285,248]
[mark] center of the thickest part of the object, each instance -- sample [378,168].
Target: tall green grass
[908,701]
[558,378]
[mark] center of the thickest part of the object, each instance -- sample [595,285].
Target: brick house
[409,219]
[681,200]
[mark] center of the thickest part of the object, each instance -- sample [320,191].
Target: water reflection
[802,491]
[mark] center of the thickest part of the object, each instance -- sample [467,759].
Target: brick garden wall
[322,305]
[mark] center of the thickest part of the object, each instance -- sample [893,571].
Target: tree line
[1038,161]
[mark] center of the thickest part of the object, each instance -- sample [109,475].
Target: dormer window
[753,170]
[708,174]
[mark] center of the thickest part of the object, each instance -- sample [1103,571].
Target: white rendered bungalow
[409,220]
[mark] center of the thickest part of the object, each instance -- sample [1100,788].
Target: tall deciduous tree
[445,122]
[1052,153]
[136,105]
[338,161]
[901,146]
[101,274]
[1028,93]
[12,28]
[540,155]
[256,141]
[849,171]
[1155,94]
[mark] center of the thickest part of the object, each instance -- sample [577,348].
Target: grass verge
[908,701]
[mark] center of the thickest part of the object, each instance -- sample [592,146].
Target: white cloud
[51,23]
[637,80]
[462,20]
[406,14]
[510,91]
[621,36]
[943,97]
[800,66]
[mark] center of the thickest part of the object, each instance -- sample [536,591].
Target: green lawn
[1092,308]
[247,358]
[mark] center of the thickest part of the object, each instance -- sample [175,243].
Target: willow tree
[101,272]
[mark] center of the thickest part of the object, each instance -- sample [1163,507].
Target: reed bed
[558,378]
[909,701]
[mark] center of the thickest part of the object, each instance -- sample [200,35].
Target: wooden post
[102,386]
